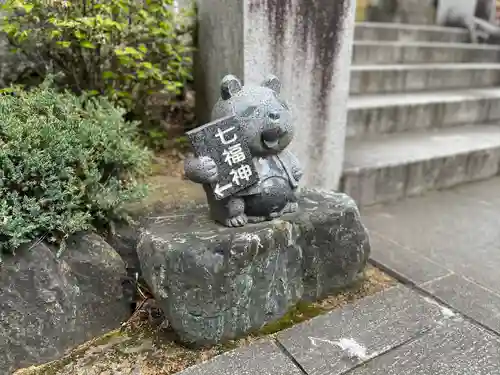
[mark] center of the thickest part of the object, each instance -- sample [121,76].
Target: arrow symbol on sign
[219,190]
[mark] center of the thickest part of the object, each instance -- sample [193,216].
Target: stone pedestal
[307,44]
[216,283]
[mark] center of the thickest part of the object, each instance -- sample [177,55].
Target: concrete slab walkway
[395,332]
[448,245]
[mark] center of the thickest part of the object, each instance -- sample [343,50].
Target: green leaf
[108,74]
[9,28]
[79,35]
[64,44]
[123,94]
[87,44]
[125,60]
[55,34]
[132,52]
[28,7]
[21,36]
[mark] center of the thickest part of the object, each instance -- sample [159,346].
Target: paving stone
[263,358]
[395,257]
[370,327]
[458,348]
[452,230]
[486,194]
[471,299]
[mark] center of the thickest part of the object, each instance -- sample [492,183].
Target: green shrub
[67,164]
[125,50]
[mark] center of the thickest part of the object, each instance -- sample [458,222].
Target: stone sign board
[223,142]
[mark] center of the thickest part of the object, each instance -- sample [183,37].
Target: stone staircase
[424,112]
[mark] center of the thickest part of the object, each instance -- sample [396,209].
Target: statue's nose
[274,116]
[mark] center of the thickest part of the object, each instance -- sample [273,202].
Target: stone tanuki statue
[248,175]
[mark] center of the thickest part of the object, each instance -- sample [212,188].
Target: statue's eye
[284,105]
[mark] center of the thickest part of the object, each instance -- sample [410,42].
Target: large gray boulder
[49,305]
[216,283]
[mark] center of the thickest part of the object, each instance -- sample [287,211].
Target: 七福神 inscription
[222,141]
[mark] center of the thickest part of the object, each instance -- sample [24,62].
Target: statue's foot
[290,207]
[236,221]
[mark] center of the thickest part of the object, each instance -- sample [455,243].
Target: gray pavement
[443,320]
[447,244]
[395,332]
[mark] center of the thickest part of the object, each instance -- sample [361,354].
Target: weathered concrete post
[307,44]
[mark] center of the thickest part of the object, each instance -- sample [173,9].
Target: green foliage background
[125,50]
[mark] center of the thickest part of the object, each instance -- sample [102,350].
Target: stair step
[405,32]
[377,52]
[384,169]
[366,79]
[394,113]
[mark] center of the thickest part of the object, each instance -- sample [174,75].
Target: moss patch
[299,313]
[373,281]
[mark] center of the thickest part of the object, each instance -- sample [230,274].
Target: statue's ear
[273,83]
[229,86]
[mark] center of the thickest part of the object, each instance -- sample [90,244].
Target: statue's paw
[236,221]
[291,207]
[202,170]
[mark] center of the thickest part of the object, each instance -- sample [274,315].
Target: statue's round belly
[275,193]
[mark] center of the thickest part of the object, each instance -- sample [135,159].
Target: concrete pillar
[307,44]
